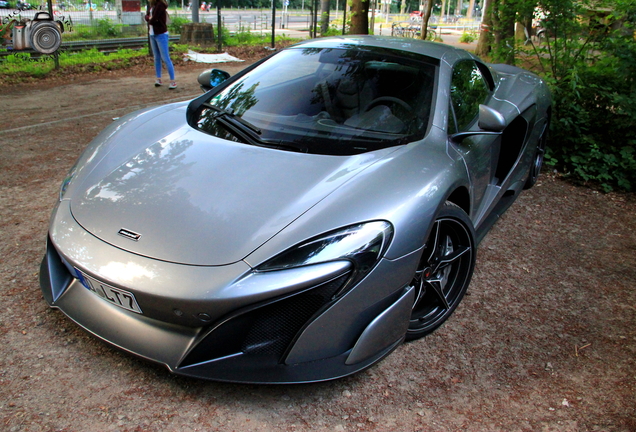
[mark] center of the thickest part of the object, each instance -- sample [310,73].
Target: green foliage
[504,16]
[335,26]
[106,28]
[244,37]
[79,32]
[176,23]
[178,49]
[468,37]
[21,64]
[103,29]
[591,69]
[333,30]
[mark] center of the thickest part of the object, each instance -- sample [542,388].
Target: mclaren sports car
[300,219]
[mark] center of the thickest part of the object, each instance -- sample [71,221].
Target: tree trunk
[426,15]
[484,44]
[359,17]
[471,6]
[503,18]
[324,17]
[441,15]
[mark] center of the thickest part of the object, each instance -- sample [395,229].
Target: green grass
[21,64]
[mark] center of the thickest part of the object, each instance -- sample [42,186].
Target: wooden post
[219,26]
[56,55]
[344,18]
[273,23]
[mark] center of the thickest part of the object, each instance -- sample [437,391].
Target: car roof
[431,49]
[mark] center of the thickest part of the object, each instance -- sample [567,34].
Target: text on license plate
[116,296]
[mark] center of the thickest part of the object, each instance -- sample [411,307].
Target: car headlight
[363,245]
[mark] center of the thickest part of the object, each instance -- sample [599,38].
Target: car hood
[167,191]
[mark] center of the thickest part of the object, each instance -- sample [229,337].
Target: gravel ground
[544,341]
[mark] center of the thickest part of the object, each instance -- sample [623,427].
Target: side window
[468,90]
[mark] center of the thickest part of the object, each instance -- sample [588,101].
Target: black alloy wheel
[444,272]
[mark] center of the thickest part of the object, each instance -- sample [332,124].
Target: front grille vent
[267,330]
[276,325]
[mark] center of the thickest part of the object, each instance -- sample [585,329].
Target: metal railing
[106,45]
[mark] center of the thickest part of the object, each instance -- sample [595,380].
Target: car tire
[444,271]
[537,160]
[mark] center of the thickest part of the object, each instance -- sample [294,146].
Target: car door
[470,88]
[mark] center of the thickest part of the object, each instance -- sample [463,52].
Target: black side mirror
[491,122]
[212,78]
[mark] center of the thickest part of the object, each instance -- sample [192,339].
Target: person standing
[157,18]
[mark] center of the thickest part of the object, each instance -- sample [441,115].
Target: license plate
[116,296]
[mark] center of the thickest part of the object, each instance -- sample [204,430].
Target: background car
[4,4]
[300,219]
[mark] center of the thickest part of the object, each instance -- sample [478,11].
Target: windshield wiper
[229,113]
[246,131]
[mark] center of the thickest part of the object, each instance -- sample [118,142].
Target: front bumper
[216,323]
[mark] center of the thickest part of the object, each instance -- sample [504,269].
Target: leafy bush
[176,23]
[107,28]
[243,37]
[102,29]
[335,27]
[246,37]
[468,37]
[79,32]
[594,132]
[592,74]
[333,31]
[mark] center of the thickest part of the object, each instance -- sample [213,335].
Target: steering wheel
[382,100]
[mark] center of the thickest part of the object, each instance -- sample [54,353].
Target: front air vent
[276,325]
[267,330]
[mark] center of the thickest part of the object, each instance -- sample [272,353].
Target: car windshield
[326,101]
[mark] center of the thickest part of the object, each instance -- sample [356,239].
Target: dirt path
[545,340]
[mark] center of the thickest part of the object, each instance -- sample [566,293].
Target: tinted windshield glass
[326,101]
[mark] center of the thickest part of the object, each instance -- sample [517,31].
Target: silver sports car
[301,219]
